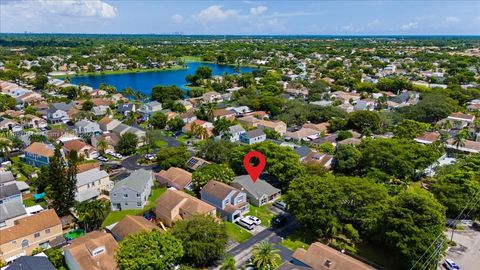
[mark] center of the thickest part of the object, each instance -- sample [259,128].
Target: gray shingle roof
[90,176]
[31,263]
[8,190]
[11,209]
[236,129]
[303,151]
[63,106]
[6,177]
[255,133]
[257,189]
[137,180]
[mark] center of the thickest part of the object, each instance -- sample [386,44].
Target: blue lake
[144,81]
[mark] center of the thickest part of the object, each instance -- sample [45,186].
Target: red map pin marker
[254,172]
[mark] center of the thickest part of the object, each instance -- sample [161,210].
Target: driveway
[171,142]
[467,251]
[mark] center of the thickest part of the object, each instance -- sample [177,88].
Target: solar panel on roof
[191,162]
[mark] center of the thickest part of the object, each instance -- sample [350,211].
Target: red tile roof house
[428,137]
[175,177]
[82,149]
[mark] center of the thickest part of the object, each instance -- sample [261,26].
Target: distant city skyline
[241,17]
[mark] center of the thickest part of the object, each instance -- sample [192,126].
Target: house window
[14,242]
[36,235]
[47,231]
[138,195]
[114,194]
[139,204]
[25,243]
[126,203]
[125,195]
[3,224]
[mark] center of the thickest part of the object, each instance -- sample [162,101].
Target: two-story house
[38,154]
[212,96]
[94,251]
[55,116]
[230,202]
[28,234]
[133,191]
[234,133]
[8,124]
[91,183]
[126,109]
[83,149]
[174,205]
[148,109]
[10,193]
[87,127]
[278,126]
[253,136]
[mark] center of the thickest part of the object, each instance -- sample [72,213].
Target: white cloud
[374,22]
[451,19]
[68,8]
[255,11]
[177,18]
[216,13]
[409,26]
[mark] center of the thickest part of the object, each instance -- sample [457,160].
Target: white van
[246,223]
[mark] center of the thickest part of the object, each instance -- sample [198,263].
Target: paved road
[131,163]
[242,252]
[467,251]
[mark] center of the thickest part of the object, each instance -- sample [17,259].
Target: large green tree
[366,122]
[149,251]
[217,172]
[410,227]
[127,144]
[203,240]
[172,157]
[409,129]
[92,213]
[163,94]
[158,120]
[265,256]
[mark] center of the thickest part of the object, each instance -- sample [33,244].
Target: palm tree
[128,92]
[460,138]
[228,263]
[221,126]
[102,145]
[5,146]
[265,256]
[92,213]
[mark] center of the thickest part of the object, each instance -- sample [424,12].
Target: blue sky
[241,17]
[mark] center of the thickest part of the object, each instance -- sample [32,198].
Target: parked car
[279,221]
[176,134]
[246,223]
[255,220]
[280,205]
[149,156]
[102,158]
[451,265]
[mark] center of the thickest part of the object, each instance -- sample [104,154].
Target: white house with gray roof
[87,127]
[91,183]
[235,132]
[259,192]
[133,191]
[147,109]
[11,211]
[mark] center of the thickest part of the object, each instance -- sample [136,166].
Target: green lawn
[31,202]
[116,216]
[262,213]
[379,255]
[183,138]
[192,58]
[237,233]
[159,143]
[298,239]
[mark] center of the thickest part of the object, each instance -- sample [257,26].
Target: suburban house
[29,233]
[322,127]
[83,149]
[319,158]
[148,109]
[11,211]
[230,202]
[175,177]
[320,257]
[235,132]
[10,193]
[93,251]
[126,108]
[87,127]
[223,113]
[212,96]
[55,116]
[121,129]
[208,126]
[100,110]
[428,137]
[108,124]
[259,192]
[36,262]
[8,124]
[173,206]
[188,116]
[133,191]
[249,121]
[461,120]
[38,154]
[303,134]
[112,140]
[468,146]
[195,163]
[278,126]
[131,225]
[91,183]
[253,136]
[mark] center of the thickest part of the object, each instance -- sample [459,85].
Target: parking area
[467,251]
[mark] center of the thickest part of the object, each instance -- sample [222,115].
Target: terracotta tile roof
[428,137]
[271,124]
[40,149]
[76,145]
[101,101]
[222,112]
[82,248]
[174,175]
[132,225]
[322,127]
[321,257]
[30,225]
[87,166]
[105,120]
